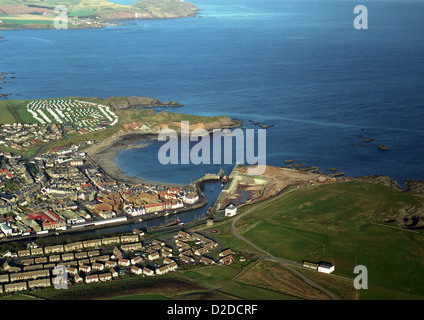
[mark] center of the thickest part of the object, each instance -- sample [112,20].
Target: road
[284,262]
[50,143]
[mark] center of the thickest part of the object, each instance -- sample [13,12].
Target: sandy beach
[105,152]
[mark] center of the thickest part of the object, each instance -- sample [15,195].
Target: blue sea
[297,64]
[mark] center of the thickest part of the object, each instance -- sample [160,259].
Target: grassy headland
[21,14]
[135,115]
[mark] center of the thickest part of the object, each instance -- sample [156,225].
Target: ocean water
[297,64]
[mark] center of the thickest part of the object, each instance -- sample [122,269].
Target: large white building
[231,210]
[325,267]
[6,229]
[190,199]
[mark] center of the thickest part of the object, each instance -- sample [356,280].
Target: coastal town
[57,190]
[107,259]
[64,189]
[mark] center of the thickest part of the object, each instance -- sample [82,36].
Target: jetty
[210,177]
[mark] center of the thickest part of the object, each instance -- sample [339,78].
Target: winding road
[284,262]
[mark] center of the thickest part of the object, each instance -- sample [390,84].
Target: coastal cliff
[166,9]
[383,180]
[121,103]
[152,123]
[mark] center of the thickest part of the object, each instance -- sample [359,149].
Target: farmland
[86,13]
[334,223]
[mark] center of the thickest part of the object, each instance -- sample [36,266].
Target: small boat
[211,189]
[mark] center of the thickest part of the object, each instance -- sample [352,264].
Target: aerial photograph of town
[211,154]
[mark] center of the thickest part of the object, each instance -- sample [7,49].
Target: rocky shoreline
[133,102]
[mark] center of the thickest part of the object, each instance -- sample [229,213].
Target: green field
[145,296]
[27,21]
[333,223]
[223,278]
[12,111]
[6,115]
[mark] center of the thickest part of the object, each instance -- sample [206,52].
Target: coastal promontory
[36,126]
[39,14]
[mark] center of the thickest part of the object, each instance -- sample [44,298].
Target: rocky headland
[122,103]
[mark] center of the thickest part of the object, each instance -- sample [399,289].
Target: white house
[162,270]
[190,199]
[172,266]
[92,278]
[84,268]
[137,212]
[105,276]
[153,256]
[136,270]
[97,266]
[177,205]
[148,272]
[6,230]
[136,260]
[124,262]
[231,210]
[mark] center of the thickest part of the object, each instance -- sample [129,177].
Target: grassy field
[14,111]
[28,19]
[6,114]
[79,6]
[225,279]
[145,296]
[333,223]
